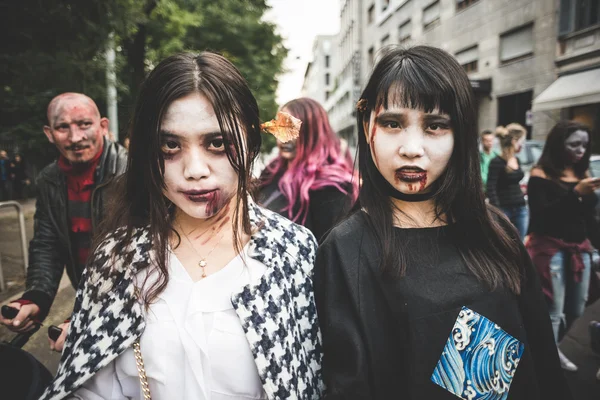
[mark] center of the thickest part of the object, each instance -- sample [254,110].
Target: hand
[60,342]
[587,186]
[24,321]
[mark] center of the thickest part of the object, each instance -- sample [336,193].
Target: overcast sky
[299,21]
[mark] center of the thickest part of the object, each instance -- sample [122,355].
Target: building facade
[347,72]
[507,47]
[318,79]
[576,91]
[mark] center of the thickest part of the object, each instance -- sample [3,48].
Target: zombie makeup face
[76,128]
[288,149]
[198,177]
[576,145]
[410,148]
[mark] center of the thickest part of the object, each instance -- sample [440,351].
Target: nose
[196,166]
[412,143]
[76,134]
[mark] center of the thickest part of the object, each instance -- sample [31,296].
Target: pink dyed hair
[318,163]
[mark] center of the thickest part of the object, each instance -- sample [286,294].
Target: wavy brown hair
[139,200]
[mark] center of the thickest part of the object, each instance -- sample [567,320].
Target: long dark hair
[319,161]
[139,200]
[553,160]
[428,79]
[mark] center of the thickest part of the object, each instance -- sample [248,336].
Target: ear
[104,126]
[48,133]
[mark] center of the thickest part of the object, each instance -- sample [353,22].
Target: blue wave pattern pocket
[479,360]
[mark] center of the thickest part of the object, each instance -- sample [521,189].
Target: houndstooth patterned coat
[278,313]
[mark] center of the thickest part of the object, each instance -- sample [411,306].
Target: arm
[45,262]
[345,367]
[538,197]
[327,207]
[494,171]
[540,339]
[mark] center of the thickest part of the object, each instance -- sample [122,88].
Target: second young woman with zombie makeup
[311,181]
[563,228]
[194,292]
[425,292]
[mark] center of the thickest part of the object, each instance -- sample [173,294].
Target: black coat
[50,249]
[383,337]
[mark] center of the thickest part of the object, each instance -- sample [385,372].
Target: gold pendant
[202,264]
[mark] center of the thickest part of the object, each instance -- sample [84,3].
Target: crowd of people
[13,177]
[410,277]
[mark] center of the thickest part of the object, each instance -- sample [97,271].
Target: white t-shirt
[193,346]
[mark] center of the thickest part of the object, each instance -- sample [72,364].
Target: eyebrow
[163,133]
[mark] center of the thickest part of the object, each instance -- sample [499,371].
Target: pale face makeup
[76,128]
[410,148]
[199,179]
[576,145]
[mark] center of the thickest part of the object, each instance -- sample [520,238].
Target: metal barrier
[15,204]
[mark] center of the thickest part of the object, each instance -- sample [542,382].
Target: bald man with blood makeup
[71,194]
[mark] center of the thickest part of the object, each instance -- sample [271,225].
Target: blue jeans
[569,297]
[519,216]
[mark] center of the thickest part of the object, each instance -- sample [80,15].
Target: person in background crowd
[562,227]
[126,142]
[425,292]
[486,155]
[71,194]
[311,181]
[18,174]
[504,175]
[5,181]
[194,292]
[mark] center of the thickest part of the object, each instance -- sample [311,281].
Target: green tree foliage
[53,46]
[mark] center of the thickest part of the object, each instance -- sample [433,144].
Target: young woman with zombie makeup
[504,176]
[563,228]
[194,292]
[425,292]
[311,181]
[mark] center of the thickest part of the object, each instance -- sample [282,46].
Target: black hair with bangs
[431,80]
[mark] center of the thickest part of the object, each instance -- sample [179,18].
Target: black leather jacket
[50,249]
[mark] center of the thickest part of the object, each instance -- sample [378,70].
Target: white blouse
[193,346]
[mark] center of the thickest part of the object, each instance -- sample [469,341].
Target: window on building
[431,14]
[327,78]
[384,5]
[326,61]
[468,58]
[516,43]
[385,40]
[404,31]
[327,95]
[462,4]
[371,14]
[576,15]
[371,56]
[513,108]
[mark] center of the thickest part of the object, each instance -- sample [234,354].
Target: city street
[576,344]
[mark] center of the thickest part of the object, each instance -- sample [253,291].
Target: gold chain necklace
[202,263]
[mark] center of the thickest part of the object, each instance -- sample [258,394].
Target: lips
[411,174]
[200,195]
[287,147]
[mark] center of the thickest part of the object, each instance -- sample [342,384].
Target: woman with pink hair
[311,181]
